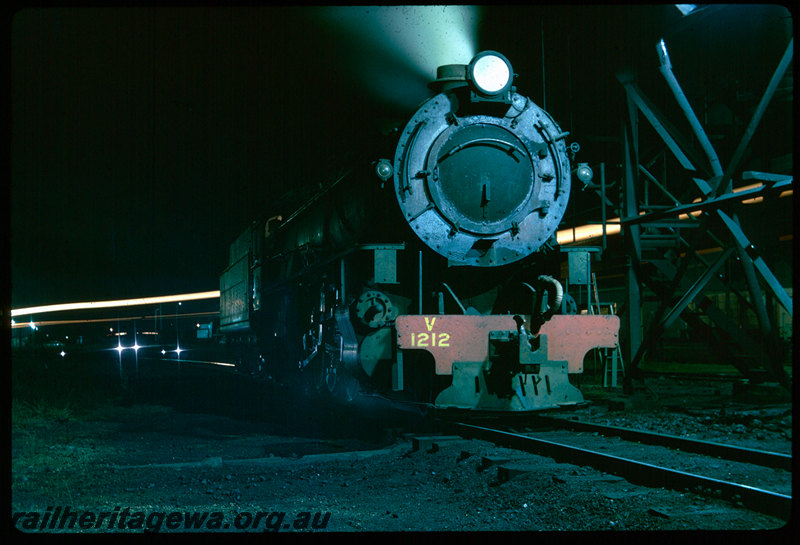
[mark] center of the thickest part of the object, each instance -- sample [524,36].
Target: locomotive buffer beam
[496,366]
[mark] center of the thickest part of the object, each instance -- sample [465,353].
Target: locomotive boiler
[430,276]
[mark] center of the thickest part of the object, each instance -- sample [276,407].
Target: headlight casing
[490,75]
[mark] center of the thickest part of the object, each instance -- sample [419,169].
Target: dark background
[143,140]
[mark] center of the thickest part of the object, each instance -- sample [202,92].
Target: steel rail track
[727,452]
[756,499]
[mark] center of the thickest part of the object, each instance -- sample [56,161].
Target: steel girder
[717,191]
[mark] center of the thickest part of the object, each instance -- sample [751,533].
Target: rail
[728,452]
[642,473]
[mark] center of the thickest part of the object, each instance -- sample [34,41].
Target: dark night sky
[143,140]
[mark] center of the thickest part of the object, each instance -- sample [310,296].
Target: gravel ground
[149,466]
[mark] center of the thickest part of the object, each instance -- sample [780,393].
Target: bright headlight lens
[491,73]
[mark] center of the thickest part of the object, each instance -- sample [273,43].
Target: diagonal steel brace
[676,142]
[749,252]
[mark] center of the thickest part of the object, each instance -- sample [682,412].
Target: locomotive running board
[460,347]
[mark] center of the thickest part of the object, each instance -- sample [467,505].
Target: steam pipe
[666,71]
[558,296]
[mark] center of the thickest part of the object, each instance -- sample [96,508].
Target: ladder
[606,354]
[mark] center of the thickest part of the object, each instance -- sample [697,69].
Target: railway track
[728,452]
[637,457]
[649,459]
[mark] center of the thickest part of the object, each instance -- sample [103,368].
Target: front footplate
[496,365]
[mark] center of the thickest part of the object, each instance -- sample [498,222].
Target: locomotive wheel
[328,376]
[324,373]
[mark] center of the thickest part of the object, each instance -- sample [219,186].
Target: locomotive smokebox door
[480,189]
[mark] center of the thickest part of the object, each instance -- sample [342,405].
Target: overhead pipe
[666,71]
[762,106]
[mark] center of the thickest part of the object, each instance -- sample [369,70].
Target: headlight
[490,73]
[584,173]
[384,170]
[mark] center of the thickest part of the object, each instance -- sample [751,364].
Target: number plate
[450,337]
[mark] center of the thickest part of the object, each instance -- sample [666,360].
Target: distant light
[613,227]
[119,348]
[221,363]
[13,323]
[178,350]
[33,325]
[63,353]
[198,325]
[163,351]
[111,329]
[136,347]
[586,232]
[686,9]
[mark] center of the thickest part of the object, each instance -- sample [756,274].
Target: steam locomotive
[430,277]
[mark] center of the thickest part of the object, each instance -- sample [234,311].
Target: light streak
[201,361]
[44,323]
[117,303]
[125,319]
